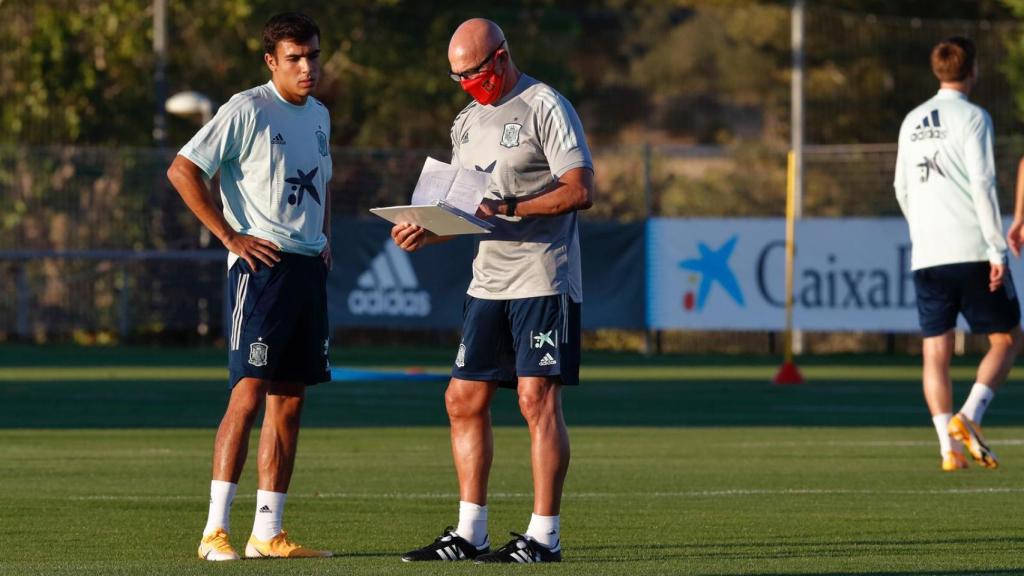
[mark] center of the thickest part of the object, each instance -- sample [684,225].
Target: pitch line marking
[572,495]
[845,409]
[856,443]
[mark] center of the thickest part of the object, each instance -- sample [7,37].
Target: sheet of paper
[444,201]
[435,181]
[468,190]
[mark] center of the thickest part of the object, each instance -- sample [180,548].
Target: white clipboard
[444,201]
[440,218]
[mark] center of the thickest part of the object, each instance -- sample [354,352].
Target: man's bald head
[473,41]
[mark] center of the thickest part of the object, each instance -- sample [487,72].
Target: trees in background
[82,71]
[697,71]
[673,73]
[712,72]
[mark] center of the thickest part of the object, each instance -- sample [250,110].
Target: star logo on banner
[713,268]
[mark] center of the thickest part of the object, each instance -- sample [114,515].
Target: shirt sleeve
[561,133]
[981,173]
[222,139]
[900,179]
[455,147]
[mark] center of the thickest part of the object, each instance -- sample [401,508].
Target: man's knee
[284,401]
[465,399]
[285,409]
[1011,340]
[538,398]
[246,398]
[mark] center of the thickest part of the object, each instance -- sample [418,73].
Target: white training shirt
[946,183]
[275,162]
[526,141]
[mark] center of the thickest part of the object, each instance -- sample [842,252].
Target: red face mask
[485,88]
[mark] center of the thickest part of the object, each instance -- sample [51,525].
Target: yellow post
[790,251]
[788,373]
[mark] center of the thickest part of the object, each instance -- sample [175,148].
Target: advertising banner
[850,274]
[376,284]
[613,275]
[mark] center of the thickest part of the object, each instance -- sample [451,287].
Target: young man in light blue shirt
[946,186]
[270,144]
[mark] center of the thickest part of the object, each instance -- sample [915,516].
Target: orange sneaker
[216,547]
[953,461]
[281,547]
[965,431]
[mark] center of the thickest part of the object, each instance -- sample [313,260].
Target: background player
[1015,235]
[521,325]
[270,144]
[945,185]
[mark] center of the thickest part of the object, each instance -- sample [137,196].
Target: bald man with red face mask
[521,320]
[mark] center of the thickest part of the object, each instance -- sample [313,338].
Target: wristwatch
[510,206]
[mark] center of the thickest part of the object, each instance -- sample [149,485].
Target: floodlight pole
[186,104]
[789,373]
[193,104]
[160,71]
[797,135]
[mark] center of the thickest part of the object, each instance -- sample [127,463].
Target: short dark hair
[294,26]
[953,59]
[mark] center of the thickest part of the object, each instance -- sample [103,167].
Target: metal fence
[112,295]
[95,243]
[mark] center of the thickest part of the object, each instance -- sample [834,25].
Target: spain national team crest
[258,354]
[510,135]
[460,358]
[321,142]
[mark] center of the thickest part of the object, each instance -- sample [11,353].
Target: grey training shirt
[526,141]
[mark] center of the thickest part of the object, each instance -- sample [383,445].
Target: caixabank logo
[389,287]
[708,270]
[849,274]
[823,282]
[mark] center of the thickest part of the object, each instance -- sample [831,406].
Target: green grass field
[679,466]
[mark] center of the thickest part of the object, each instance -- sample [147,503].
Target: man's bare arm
[187,179]
[326,253]
[1015,236]
[573,191]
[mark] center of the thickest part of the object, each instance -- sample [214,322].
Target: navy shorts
[505,339]
[951,289]
[279,329]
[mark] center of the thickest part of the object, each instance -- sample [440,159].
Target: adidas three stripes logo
[451,553]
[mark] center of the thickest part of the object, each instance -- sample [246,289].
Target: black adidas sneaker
[523,550]
[448,546]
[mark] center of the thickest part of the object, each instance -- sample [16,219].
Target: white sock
[269,510]
[941,422]
[977,401]
[545,529]
[472,523]
[222,494]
